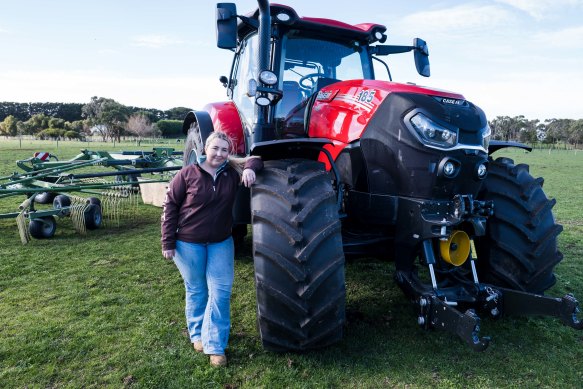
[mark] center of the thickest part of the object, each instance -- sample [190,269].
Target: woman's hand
[248,177]
[168,254]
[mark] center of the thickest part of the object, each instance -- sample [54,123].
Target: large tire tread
[299,262]
[520,248]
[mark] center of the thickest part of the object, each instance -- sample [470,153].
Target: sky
[510,57]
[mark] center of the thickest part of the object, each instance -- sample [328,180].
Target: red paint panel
[226,118]
[344,118]
[363,27]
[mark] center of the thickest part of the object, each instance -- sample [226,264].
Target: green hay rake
[79,189]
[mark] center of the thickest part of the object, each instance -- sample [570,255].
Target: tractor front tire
[298,257]
[519,250]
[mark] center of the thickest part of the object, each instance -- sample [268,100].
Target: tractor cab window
[307,65]
[245,69]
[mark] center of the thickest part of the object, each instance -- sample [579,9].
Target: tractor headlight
[486,135]
[432,133]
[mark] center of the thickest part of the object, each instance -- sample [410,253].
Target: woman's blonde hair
[237,163]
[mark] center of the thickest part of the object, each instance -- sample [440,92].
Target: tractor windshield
[308,64]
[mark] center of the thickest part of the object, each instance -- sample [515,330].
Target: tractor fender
[201,117]
[222,116]
[496,145]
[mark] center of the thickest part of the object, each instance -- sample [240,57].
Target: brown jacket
[198,207]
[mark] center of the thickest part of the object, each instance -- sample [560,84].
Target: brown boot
[218,360]
[198,346]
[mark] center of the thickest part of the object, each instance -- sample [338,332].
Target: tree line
[111,120]
[101,116]
[533,132]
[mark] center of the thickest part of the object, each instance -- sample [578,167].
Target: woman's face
[217,152]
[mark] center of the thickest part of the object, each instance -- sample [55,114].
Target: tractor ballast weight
[359,166]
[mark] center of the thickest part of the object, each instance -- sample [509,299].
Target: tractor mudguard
[221,116]
[496,145]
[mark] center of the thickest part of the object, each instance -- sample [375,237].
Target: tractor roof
[361,32]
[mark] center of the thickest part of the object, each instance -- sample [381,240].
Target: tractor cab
[304,55]
[307,65]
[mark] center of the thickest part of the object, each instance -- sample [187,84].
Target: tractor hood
[348,107]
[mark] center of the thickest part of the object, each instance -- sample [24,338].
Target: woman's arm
[175,195]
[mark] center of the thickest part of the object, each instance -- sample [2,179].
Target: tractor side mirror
[421,57]
[226,25]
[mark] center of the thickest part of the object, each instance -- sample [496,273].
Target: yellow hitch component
[456,248]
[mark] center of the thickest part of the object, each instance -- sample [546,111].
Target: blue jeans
[208,271]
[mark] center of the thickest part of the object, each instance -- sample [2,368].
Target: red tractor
[358,166]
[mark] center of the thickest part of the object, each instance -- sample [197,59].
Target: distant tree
[109,114]
[51,133]
[71,134]
[152,117]
[77,126]
[152,113]
[70,112]
[21,128]
[500,126]
[9,126]
[115,116]
[170,128]
[177,113]
[557,130]
[24,111]
[575,131]
[139,125]
[18,110]
[56,123]
[528,133]
[37,123]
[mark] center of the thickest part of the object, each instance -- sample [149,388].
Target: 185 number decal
[366,96]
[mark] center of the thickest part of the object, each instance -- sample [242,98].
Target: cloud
[539,9]
[155,41]
[462,19]
[107,51]
[566,38]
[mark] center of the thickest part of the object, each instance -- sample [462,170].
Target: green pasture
[106,310]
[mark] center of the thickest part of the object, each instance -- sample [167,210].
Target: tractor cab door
[245,69]
[307,65]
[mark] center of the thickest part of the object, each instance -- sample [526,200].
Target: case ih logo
[324,95]
[445,100]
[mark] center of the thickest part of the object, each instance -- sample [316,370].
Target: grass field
[105,310]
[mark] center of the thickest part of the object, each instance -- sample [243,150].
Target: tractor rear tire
[43,227]
[298,257]
[519,250]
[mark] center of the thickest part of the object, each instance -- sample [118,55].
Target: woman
[196,233]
